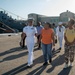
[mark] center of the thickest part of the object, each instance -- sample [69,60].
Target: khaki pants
[69,53]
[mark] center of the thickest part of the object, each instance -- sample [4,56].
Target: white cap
[60,23]
[30,19]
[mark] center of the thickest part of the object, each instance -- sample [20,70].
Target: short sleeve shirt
[29,31]
[70,34]
[47,36]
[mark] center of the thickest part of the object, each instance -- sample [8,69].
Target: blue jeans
[47,51]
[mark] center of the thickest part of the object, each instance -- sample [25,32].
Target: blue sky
[44,7]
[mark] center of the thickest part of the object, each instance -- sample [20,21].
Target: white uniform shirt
[30,33]
[58,33]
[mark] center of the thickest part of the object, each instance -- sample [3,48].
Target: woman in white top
[30,31]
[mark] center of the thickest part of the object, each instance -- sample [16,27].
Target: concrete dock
[13,59]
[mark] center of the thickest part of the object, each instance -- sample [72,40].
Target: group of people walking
[46,40]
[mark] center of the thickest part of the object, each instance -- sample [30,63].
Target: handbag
[55,40]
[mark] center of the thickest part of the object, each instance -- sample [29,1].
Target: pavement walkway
[13,59]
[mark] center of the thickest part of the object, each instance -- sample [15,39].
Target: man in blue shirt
[39,28]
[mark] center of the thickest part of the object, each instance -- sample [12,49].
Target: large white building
[63,17]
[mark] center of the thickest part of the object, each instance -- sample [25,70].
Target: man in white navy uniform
[60,33]
[30,31]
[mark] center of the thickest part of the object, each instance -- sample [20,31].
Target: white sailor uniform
[60,34]
[30,32]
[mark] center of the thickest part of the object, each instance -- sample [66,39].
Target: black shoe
[29,66]
[46,63]
[23,46]
[50,60]
[39,48]
[53,50]
[59,48]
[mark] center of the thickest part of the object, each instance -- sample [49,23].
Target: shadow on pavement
[12,57]
[37,71]
[16,70]
[65,71]
[12,50]
[23,67]
[58,61]
[55,52]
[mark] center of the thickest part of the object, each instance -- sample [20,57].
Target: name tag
[26,28]
[32,28]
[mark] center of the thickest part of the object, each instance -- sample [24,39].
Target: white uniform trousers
[30,46]
[60,39]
